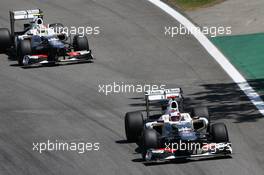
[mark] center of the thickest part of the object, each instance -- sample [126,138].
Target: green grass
[192,4]
[245,52]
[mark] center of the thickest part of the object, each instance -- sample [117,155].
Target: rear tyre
[80,43]
[57,27]
[133,125]
[5,40]
[202,112]
[219,133]
[24,48]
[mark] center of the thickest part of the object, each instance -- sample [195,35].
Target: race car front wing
[209,150]
[72,57]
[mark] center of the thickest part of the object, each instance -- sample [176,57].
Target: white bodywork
[185,120]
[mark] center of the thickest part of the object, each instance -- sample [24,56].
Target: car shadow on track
[224,101]
[227,101]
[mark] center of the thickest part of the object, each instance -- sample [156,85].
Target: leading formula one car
[40,44]
[176,134]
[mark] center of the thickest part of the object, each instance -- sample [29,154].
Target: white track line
[216,54]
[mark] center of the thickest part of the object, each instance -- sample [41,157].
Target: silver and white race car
[176,134]
[40,44]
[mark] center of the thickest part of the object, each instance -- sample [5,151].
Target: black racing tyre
[5,40]
[57,27]
[201,111]
[219,133]
[24,48]
[150,139]
[80,43]
[134,124]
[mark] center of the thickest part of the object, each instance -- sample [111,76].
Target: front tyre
[219,133]
[24,48]
[149,141]
[80,43]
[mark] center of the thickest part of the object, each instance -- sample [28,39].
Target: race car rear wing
[162,95]
[23,15]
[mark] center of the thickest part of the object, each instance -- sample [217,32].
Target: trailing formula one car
[176,134]
[40,44]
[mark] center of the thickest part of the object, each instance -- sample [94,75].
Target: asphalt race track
[63,103]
